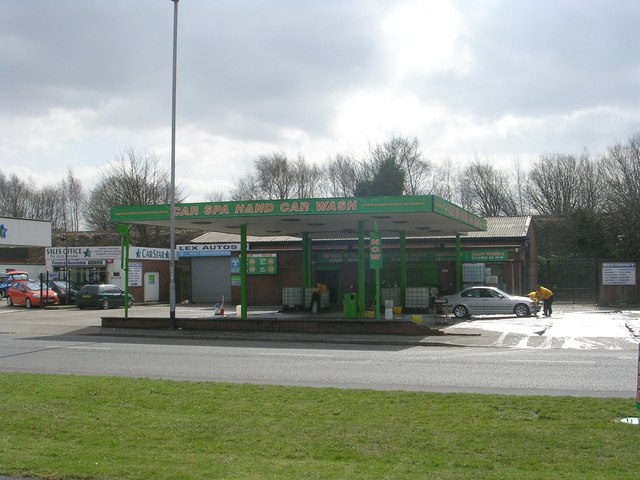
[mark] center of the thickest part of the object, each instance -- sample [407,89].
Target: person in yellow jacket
[315,296]
[546,296]
[534,296]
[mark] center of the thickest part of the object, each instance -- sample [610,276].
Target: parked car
[60,287]
[483,300]
[30,294]
[103,296]
[7,278]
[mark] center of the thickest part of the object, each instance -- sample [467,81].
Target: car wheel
[1,294]
[460,311]
[105,304]
[521,310]
[130,303]
[27,303]
[9,302]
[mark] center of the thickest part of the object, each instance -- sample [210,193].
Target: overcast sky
[83,80]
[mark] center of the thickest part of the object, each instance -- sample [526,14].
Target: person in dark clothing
[546,296]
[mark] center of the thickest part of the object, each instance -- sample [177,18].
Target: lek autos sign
[207,250]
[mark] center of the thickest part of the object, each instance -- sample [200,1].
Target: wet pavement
[570,326]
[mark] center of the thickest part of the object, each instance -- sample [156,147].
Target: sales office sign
[100,255]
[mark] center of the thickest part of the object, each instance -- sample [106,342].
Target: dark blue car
[102,296]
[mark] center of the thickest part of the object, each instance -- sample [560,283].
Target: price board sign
[262,264]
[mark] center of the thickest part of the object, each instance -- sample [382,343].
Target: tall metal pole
[66,267]
[172,214]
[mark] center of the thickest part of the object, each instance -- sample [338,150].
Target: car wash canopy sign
[325,206]
[278,207]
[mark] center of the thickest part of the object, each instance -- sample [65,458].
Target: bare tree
[276,176]
[389,179]
[16,197]
[45,204]
[553,187]
[442,181]
[98,207]
[53,202]
[74,201]
[520,191]
[406,154]
[590,179]
[621,175]
[341,176]
[133,179]
[215,197]
[247,188]
[486,191]
[307,178]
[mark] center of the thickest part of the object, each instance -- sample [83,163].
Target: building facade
[504,255]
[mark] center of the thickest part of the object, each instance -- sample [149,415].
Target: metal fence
[572,280]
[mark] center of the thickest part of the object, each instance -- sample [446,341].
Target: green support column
[458,264]
[309,262]
[305,263]
[377,268]
[361,270]
[638,389]
[124,263]
[403,266]
[243,271]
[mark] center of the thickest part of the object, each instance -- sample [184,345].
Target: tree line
[598,194]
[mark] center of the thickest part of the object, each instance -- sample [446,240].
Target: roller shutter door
[210,279]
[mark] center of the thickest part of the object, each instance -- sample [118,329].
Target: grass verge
[63,427]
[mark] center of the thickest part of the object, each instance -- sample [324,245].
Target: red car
[30,294]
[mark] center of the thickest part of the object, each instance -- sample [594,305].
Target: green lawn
[57,427]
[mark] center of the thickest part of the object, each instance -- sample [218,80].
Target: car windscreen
[35,286]
[20,276]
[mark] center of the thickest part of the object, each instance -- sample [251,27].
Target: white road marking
[77,347]
[588,362]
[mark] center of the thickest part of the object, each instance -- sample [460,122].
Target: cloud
[82,80]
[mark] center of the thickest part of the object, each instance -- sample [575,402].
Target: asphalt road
[440,369]
[64,342]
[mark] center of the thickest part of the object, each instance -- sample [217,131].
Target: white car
[484,300]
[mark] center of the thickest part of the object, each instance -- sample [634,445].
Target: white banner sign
[135,274]
[622,273]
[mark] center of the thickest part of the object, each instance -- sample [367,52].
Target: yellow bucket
[397,310]
[369,314]
[417,319]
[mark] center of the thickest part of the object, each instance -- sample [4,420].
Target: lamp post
[66,267]
[172,213]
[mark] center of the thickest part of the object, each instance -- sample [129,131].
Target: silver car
[484,300]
